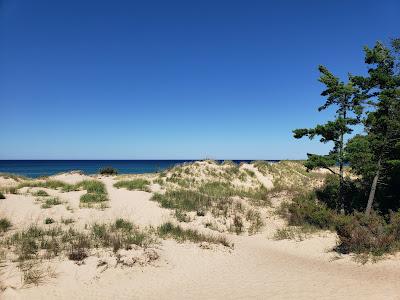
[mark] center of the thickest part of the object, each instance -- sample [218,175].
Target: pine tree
[344,97]
[381,89]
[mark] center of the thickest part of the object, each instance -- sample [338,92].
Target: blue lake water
[37,168]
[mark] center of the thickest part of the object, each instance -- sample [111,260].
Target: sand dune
[258,267]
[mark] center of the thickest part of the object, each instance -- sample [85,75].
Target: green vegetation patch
[50,184]
[5,224]
[108,171]
[169,230]
[134,184]
[40,193]
[50,202]
[121,235]
[96,192]
[36,242]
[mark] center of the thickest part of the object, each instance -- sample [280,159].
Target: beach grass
[96,193]
[169,230]
[40,193]
[37,242]
[134,184]
[50,202]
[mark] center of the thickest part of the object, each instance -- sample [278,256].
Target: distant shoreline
[38,168]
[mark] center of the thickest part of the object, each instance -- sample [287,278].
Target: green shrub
[354,194]
[2,196]
[307,210]
[108,171]
[5,224]
[134,184]
[40,193]
[123,224]
[369,234]
[181,216]
[49,221]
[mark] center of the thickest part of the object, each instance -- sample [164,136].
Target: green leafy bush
[108,171]
[307,210]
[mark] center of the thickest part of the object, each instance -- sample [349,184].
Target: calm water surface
[36,168]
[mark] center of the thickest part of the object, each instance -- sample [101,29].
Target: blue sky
[174,79]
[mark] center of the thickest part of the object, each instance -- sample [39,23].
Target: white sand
[257,268]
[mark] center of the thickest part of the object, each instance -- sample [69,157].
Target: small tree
[344,96]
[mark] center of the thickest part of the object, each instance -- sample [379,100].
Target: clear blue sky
[174,79]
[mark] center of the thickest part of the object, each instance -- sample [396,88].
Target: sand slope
[257,268]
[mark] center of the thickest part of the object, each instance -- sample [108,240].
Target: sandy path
[258,268]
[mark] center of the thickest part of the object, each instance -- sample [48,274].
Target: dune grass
[13,176]
[92,186]
[50,184]
[46,242]
[40,193]
[169,230]
[50,202]
[96,192]
[213,197]
[133,184]
[121,235]
[8,190]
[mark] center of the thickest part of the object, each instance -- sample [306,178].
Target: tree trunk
[373,189]
[341,176]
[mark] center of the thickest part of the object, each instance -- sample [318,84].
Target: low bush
[108,171]
[357,233]
[49,221]
[2,196]
[369,234]
[5,224]
[305,209]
